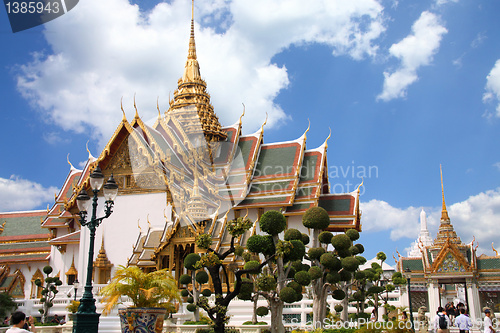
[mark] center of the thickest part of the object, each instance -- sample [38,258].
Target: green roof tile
[488,263]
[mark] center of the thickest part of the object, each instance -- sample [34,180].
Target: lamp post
[76,284]
[86,319]
[408,278]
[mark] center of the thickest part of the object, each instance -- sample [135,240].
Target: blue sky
[404,86]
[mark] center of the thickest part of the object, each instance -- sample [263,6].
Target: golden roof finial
[149,223]
[124,118]
[139,225]
[71,165]
[329,136]
[494,250]
[362,181]
[88,151]
[308,127]
[444,212]
[192,45]
[246,215]
[135,107]
[158,107]
[242,113]
[264,124]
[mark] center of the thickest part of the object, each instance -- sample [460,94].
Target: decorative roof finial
[242,113]
[88,151]
[135,107]
[139,225]
[123,111]
[72,167]
[264,124]
[158,107]
[444,212]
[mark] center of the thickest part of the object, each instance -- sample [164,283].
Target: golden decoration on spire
[124,118]
[444,212]
[191,104]
[135,107]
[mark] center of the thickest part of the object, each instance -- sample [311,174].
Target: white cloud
[497,165]
[414,51]
[21,194]
[492,88]
[103,50]
[478,216]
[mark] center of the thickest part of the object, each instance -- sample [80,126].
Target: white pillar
[473,298]
[433,294]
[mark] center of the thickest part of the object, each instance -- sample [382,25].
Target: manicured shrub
[325,237]
[350,264]
[338,294]
[305,239]
[190,260]
[191,307]
[338,308]
[266,283]
[206,292]
[262,311]
[316,218]
[291,234]
[315,272]
[341,242]
[354,250]
[272,222]
[252,265]
[288,295]
[190,300]
[201,277]
[361,259]
[298,251]
[238,250]
[256,243]
[352,234]
[303,278]
[333,277]
[184,293]
[360,247]
[328,260]
[185,279]
[315,252]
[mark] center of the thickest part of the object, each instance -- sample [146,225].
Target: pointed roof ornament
[308,127]
[124,119]
[329,136]
[158,107]
[242,113]
[264,124]
[139,225]
[444,212]
[88,151]
[136,112]
[71,165]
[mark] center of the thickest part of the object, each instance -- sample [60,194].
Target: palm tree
[156,289]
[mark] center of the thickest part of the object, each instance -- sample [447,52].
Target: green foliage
[316,218]
[315,272]
[333,277]
[7,304]
[305,239]
[360,247]
[344,253]
[208,260]
[381,256]
[354,250]
[358,296]
[341,242]
[247,256]
[330,261]
[338,308]
[203,241]
[291,234]
[272,222]
[353,234]
[288,295]
[238,226]
[256,243]
[249,322]
[190,260]
[360,275]
[361,260]
[398,279]
[345,275]
[350,264]
[338,294]
[238,250]
[185,279]
[201,277]
[325,237]
[206,292]
[47,269]
[145,290]
[266,283]
[191,307]
[303,278]
[262,311]
[375,290]
[315,252]
[184,293]
[390,287]
[190,300]
[297,251]
[246,289]
[253,265]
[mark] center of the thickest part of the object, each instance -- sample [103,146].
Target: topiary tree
[49,292]
[285,275]
[196,279]
[7,304]
[213,262]
[331,271]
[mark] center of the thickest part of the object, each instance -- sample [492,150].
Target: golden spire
[444,212]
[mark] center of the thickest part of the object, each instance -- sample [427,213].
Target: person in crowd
[488,324]
[463,322]
[56,319]
[18,320]
[373,316]
[442,322]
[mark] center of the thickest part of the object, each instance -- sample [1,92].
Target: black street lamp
[86,319]
[408,277]
[76,284]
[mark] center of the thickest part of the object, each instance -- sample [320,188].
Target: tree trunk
[319,303]
[196,297]
[276,306]
[255,299]
[345,303]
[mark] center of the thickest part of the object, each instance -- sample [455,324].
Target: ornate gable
[450,260]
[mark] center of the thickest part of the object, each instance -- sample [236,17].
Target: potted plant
[152,295]
[72,308]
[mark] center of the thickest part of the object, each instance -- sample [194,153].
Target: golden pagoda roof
[191,103]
